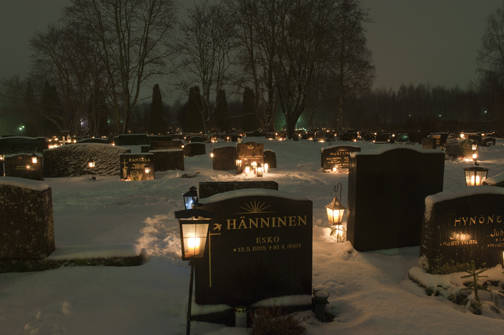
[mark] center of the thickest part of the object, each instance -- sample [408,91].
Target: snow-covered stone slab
[26,219]
[497,180]
[211,188]
[463,227]
[248,192]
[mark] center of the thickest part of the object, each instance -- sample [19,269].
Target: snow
[496,179]
[247,192]
[92,251]
[31,184]
[369,292]
[431,200]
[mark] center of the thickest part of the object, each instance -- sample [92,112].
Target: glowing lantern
[190,198]
[212,155]
[260,171]
[266,167]
[91,164]
[475,175]
[193,233]
[34,160]
[335,212]
[147,170]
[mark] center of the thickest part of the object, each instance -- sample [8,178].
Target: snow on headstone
[26,219]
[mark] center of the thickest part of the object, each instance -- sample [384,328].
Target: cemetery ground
[369,292]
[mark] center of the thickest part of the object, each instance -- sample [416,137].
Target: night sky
[427,41]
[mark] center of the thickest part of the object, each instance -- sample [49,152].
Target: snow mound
[24,183]
[72,159]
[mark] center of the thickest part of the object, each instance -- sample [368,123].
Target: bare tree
[257,28]
[350,63]
[205,46]
[132,36]
[302,50]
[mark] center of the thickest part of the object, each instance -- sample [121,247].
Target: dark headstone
[194,149]
[207,189]
[173,144]
[26,219]
[463,227]
[172,159]
[259,247]
[337,156]
[428,143]
[131,139]
[29,166]
[198,139]
[19,144]
[145,148]
[137,167]
[250,152]
[165,138]
[270,158]
[95,140]
[386,195]
[224,158]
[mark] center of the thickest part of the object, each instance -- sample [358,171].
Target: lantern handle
[338,188]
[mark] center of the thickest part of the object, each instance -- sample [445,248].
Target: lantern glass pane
[189,202]
[194,238]
[475,177]
[335,216]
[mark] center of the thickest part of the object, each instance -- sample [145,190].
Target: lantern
[147,170]
[475,175]
[34,159]
[335,211]
[193,234]
[260,171]
[474,147]
[190,198]
[91,164]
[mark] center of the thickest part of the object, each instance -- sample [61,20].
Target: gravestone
[26,219]
[209,188]
[337,156]
[194,149]
[459,149]
[169,159]
[29,166]
[270,158]
[463,227]
[161,144]
[224,158]
[131,139]
[135,167]
[259,247]
[428,143]
[22,144]
[386,193]
[250,152]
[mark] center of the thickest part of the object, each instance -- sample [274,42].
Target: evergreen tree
[192,118]
[221,111]
[157,123]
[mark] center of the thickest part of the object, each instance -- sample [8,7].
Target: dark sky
[413,41]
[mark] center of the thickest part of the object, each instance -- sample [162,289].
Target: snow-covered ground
[370,292]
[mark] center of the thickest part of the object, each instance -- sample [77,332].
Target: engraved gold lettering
[472,220]
[265,222]
[253,223]
[231,222]
[242,224]
[302,220]
[491,218]
[282,221]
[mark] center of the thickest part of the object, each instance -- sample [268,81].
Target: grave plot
[136,167]
[337,157]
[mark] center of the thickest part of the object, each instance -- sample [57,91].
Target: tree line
[279,63]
